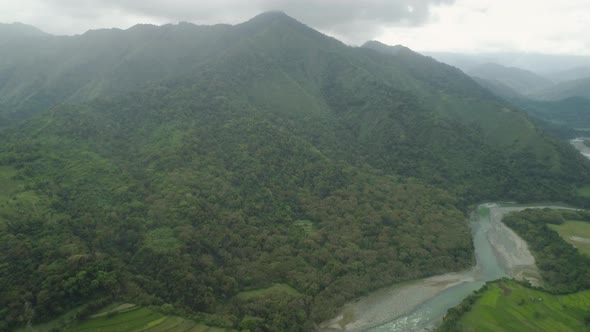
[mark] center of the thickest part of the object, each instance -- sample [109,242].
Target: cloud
[461,25]
[530,26]
[344,18]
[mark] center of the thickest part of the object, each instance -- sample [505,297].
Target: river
[420,305]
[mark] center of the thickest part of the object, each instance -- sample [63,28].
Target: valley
[421,305]
[261,176]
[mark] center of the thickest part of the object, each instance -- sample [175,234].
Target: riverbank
[388,303]
[512,251]
[421,304]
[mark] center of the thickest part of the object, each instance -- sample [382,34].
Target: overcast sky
[543,26]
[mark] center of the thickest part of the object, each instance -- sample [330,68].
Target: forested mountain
[190,165]
[522,81]
[563,90]
[499,89]
[571,116]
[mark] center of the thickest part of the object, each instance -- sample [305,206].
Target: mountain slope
[562,116]
[520,80]
[563,90]
[255,178]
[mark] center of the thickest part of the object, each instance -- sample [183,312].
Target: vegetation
[125,318]
[563,268]
[567,118]
[520,80]
[259,179]
[576,233]
[506,305]
[584,191]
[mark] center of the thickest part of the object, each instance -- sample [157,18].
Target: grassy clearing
[574,232]
[123,318]
[509,306]
[307,226]
[584,191]
[275,289]
[141,320]
[55,324]
[12,194]
[114,309]
[134,320]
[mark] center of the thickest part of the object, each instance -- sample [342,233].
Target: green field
[575,233]
[509,306]
[274,289]
[128,318]
[584,191]
[12,194]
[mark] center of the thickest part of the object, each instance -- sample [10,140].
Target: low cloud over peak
[352,20]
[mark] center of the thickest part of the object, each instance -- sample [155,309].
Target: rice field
[134,319]
[509,306]
[125,318]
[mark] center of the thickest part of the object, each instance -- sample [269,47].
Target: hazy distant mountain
[498,88]
[541,64]
[254,176]
[567,89]
[570,74]
[10,32]
[567,115]
[520,80]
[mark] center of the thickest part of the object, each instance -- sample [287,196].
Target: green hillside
[567,118]
[260,175]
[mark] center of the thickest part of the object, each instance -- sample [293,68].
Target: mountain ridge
[189,167]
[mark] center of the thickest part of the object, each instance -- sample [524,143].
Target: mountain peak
[270,17]
[384,48]
[16,31]
[272,14]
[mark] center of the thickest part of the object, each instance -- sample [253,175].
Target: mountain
[15,31]
[563,90]
[542,64]
[254,176]
[566,118]
[498,88]
[570,74]
[520,80]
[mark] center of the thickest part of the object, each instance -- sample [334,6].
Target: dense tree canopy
[263,154]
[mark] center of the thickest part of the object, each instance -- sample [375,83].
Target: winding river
[420,305]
